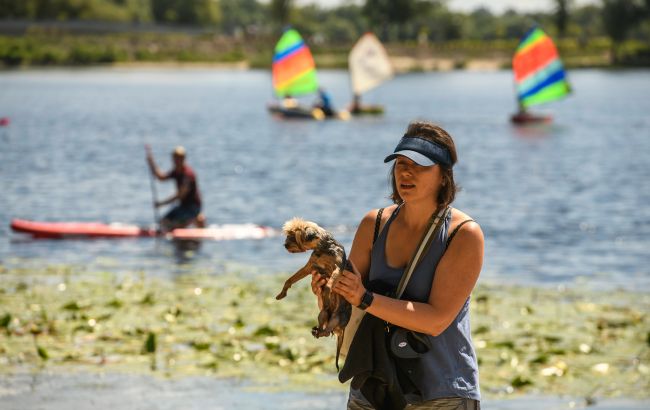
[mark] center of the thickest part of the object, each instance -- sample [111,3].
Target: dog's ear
[311,234]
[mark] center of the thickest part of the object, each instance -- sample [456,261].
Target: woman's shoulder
[463,223]
[369,221]
[458,215]
[370,218]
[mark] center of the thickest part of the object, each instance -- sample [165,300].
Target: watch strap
[366,300]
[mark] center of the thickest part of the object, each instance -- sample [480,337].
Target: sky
[496,6]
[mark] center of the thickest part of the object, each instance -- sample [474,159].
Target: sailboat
[539,75]
[294,74]
[369,67]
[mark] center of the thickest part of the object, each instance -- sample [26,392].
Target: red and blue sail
[294,70]
[539,73]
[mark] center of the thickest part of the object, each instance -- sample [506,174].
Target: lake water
[565,204]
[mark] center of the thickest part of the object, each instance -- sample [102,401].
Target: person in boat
[435,304]
[355,107]
[324,102]
[523,116]
[289,102]
[522,112]
[188,209]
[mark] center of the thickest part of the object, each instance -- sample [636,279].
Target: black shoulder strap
[455,231]
[377,223]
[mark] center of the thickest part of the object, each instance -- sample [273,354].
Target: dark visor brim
[413,156]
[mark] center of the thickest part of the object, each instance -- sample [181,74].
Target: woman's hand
[317,284]
[350,286]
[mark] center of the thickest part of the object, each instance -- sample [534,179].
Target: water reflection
[185,250]
[534,131]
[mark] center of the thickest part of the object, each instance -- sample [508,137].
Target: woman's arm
[455,277]
[359,254]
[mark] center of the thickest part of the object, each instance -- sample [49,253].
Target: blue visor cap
[422,151]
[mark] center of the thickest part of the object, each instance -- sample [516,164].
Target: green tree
[353,14]
[562,16]
[102,10]
[619,16]
[203,12]
[281,12]
[434,21]
[482,24]
[13,9]
[382,14]
[513,25]
[241,16]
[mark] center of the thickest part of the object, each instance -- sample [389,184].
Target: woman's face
[415,182]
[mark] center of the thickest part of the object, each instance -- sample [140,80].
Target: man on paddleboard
[188,209]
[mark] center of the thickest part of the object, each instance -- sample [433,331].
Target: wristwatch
[366,300]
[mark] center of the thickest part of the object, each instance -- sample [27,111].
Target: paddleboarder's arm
[152,166]
[167,201]
[180,195]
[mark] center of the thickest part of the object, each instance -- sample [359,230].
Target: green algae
[528,340]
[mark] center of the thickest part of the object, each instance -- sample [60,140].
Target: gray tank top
[450,368]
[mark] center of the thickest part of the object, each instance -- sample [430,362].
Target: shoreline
[529,340]
[401,64]
[431,66]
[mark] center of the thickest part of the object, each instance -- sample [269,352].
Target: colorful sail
[538,70]
[368,64]
[294,71]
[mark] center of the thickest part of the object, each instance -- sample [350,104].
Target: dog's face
[301,235]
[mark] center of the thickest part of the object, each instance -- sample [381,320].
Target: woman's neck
[416,214]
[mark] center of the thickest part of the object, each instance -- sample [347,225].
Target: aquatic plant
[534,340]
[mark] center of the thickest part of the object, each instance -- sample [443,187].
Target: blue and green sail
[538,70]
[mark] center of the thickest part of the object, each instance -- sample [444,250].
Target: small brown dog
[328,259]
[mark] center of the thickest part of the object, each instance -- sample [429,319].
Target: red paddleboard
[62,230]
[224,232]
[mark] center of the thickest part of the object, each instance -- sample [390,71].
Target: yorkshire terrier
[328,259]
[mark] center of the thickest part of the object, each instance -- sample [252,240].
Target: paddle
[154,193]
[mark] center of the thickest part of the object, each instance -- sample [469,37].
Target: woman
[436,300]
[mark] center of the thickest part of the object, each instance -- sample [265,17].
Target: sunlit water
[562,204]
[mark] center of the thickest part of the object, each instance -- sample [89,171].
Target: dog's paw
[316,332]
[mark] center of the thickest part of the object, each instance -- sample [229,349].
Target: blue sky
[496,6]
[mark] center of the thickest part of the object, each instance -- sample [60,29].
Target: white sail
[368,64]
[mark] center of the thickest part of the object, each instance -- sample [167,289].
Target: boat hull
[368,110]
[528,118]
[301,112]
[296,112]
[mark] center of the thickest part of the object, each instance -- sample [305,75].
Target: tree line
[392,20]
[243,25]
